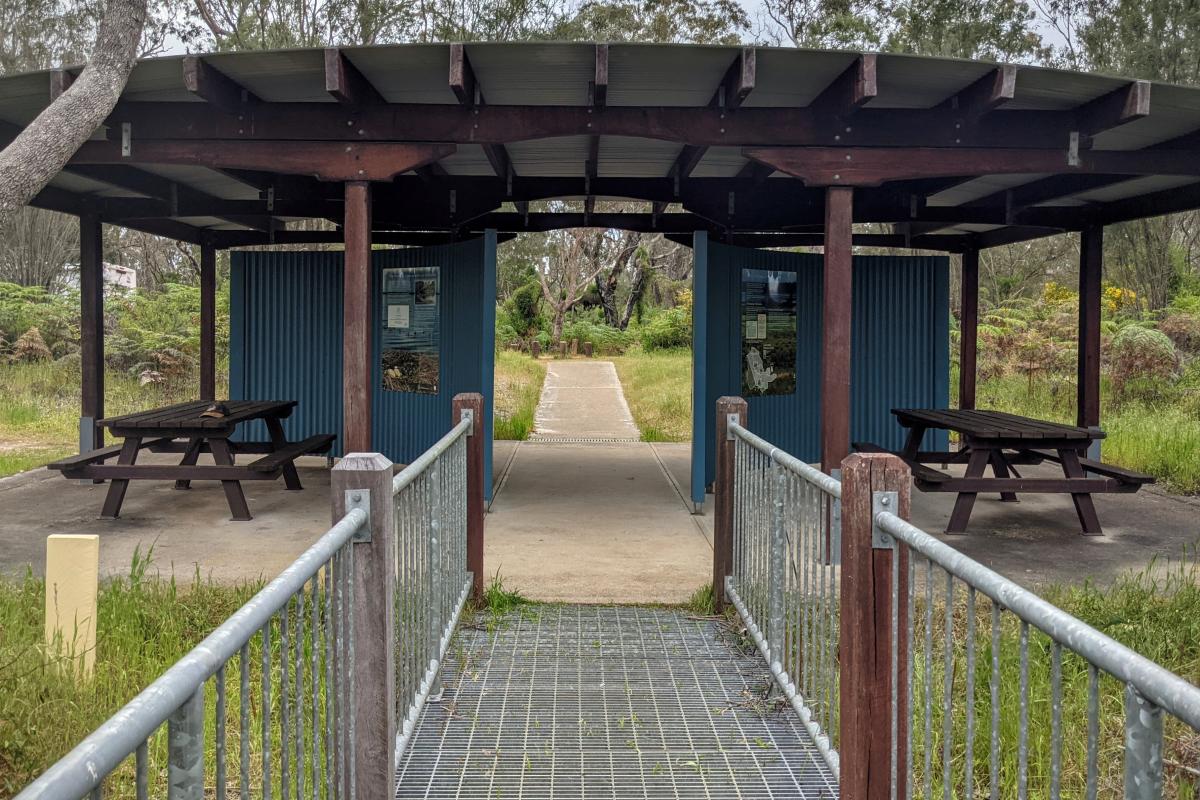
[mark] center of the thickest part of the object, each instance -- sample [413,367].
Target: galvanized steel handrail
[82,770]
[414,470]
[785,544]
[1156,683]
[831,486]
[432,581]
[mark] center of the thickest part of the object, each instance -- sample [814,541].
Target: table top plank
[185,417]
[981,424]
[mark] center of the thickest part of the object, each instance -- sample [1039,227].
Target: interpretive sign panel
[411,338]
[768,332]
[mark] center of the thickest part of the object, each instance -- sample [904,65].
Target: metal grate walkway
[561,701]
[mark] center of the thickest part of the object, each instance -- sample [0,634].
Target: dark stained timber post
[835,327]
[364,480]
[208,322]
[91,331]
[357,320]
[727,408]
[968,330]
[472,402]
[1091,264]
[874,607]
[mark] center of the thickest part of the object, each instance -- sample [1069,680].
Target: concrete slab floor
[596,524]
[188,530]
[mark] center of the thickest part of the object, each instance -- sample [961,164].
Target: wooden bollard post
[867,598]
[727,407]
[535,348]
[364,480]
[473,402]
[72,594]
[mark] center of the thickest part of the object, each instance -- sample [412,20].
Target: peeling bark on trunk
[39,152]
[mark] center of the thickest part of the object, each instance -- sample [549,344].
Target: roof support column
[968,326]
[835,328]
[358,316]
[1091,264]
[91,331]
[208,322]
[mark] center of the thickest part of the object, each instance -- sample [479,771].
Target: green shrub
[604,338]
[1142,361]
[1183,329]
[668,330]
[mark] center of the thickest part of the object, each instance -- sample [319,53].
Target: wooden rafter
[466,88]
[1119,107]
[735,87]
[985,95]
[346,84]
[851,90]
[216,88]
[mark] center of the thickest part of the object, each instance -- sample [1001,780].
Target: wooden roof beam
[598,86]
[735,87]
[60,81]
[738,82]
[216,88]
[849,91]
[466,88]
[346,83]
[1119,107]
[985,95]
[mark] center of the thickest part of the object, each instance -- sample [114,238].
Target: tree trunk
[606,287]
[637,287]
[40,151]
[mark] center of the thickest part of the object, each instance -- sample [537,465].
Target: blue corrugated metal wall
[286,342]
[900,346]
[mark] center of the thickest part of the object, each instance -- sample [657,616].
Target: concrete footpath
[596,521]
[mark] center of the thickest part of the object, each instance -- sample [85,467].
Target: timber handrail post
[873,695]
[472,402]
[727,408]
[364,480]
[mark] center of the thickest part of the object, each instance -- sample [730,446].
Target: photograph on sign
[411,337]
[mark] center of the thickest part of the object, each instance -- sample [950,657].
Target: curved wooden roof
[951,154]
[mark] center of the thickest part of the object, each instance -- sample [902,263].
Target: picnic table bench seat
[920,472]
[1120,474]
[275,460]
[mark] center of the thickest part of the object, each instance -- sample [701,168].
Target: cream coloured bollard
[72,590]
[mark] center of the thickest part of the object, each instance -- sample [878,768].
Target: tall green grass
[144,624]
[1154,614]
[658,388]
[518,387]
[1159,438]
[39,415]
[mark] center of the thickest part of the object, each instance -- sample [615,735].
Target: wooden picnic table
[181,429]
[1004,441]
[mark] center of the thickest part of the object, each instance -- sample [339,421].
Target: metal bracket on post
[468,413]
[880,502]
[360,498]
[730,421]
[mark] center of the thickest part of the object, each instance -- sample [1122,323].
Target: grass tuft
[702,602]
[498,599]
[518,385]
